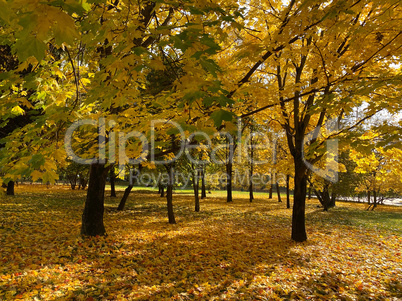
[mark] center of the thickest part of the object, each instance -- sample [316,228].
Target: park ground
[228,251]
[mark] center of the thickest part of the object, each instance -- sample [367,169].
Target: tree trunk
[251,191]
[332,200]
[270,188]
[123,200]
[112,176]
[162,191]
[250,188]
[320,198]
[278,191]
[374,199]
[368,196]
[309,191]
[195,187]
[287,192]
[73,181]
[325,197]
[169,196]
[203,189]
[10,188]
[92,217]
[299,201]
[83,183]
[229,171]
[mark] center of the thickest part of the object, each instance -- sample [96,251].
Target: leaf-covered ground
[235,251]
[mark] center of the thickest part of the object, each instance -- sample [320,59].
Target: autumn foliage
[228,251]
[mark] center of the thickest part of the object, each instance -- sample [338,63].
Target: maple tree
[381,169]
[75,174]
[319,61]
[117,65]
[109,50]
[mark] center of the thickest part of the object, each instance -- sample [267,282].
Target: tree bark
[250,188]
[203,189]
[169,198]
[270,188]
[325,197]
[92,217]
[169,195]
[278,191]
[83,183]
[287,192]
[112,176]
[123,200]
[326,200]
[299,201]
[374,199]
[10,188]
[319,198]
[332,200]
[229,172]
[195,187]
[72,180]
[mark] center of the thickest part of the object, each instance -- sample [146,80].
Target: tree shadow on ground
[227,251]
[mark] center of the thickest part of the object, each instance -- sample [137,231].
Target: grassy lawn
[213,193]
[228,251]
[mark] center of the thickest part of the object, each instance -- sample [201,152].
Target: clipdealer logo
[112,146]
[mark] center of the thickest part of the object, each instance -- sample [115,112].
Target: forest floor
[228,251]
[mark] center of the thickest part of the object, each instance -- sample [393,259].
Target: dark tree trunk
[123,200]
[92,217]
[169,198]
[368,196]
[162,191]
[278,191]
[169,195]
[287,192]
[374,199]
[332,200]
[250,188]
[112,176]
[73,181]
[309,192]
[270,188]
[203,189]
[299,201]
[195,187]
[325,197]
[10,188]
[83,183]
[229,172]
[320,198]
[127,191]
